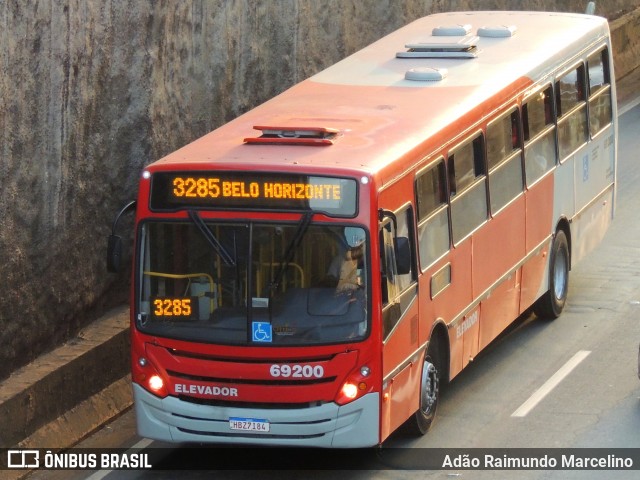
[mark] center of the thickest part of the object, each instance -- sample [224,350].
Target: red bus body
[452,256]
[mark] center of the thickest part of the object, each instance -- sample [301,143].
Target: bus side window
[405,275]
[504,159]
[467,186]
[394,280]
[571,107]
[599,91]
[387,264]
[433,213]
[538,131]
[396,283]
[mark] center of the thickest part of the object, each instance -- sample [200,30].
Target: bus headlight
[349,390]
[355,386]
[145,374]
[155,383]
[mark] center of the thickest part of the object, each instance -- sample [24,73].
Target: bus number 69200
[297,371]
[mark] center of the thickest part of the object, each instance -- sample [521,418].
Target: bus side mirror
[114,253]
[114,245]
[403,255]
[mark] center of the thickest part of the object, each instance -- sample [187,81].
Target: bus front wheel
[551,304]
[422,419]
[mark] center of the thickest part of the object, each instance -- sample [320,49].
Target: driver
[345,266]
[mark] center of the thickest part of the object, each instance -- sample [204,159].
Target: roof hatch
[426,74]
[497,31]
[312,136]
[465,47]
[451,30]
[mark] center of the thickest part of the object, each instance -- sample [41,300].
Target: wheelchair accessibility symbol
[262,332]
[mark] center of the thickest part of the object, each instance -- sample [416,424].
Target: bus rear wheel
[421,421]
[551,304]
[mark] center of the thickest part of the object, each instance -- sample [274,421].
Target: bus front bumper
[329,425]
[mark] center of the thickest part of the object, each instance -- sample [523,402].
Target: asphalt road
[568,383]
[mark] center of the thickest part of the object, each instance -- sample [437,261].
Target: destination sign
[253,191]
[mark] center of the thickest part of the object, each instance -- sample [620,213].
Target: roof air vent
[426,74]
[313,136]
[497,31]
[442,48]
[451,30]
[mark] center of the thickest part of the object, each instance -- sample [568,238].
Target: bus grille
[261,405]
[247,381]
[252,435]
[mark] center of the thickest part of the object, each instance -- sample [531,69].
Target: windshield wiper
[211,238]
[291,249]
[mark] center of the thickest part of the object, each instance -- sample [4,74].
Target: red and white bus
[313,271]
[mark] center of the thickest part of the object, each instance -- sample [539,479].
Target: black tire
[420,422]
[551,304]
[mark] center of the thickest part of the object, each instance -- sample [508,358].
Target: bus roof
[381,115]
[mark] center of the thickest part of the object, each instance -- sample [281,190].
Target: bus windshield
[248,283]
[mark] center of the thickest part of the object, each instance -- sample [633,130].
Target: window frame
[605,89]
[547,131]
[572,112]
[477,187]
[425,219]
[514,156]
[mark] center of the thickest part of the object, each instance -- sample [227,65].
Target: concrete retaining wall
[625,36]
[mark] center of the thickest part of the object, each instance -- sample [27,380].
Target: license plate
[249,424]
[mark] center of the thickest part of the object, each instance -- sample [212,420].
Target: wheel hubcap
[429,388]
[560,275]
